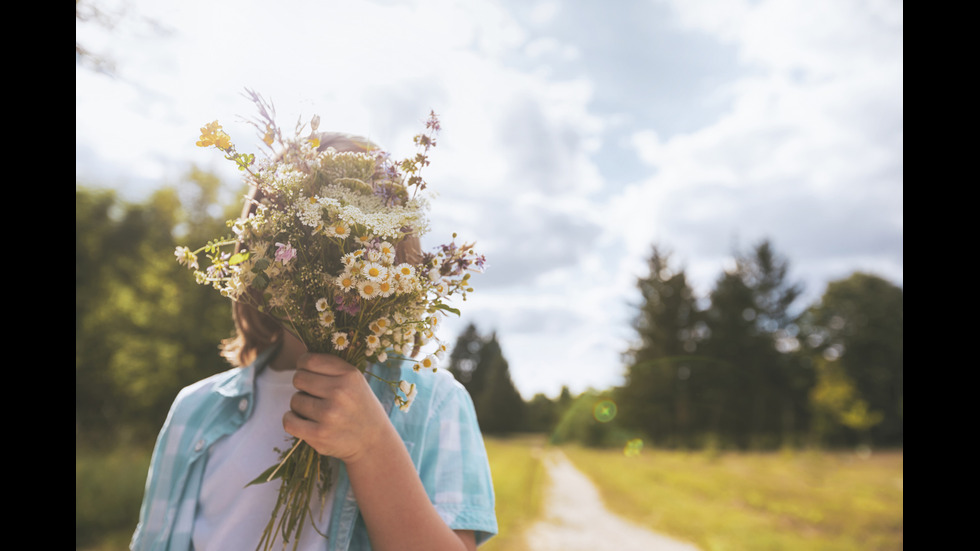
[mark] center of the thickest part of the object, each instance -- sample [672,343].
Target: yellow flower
[212,134]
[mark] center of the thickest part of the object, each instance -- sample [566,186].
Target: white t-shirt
[231,515]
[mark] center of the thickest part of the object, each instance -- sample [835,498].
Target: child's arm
[337,413]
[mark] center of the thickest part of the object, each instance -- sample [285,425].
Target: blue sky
[575,135]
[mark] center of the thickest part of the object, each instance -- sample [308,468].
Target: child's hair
[255,331]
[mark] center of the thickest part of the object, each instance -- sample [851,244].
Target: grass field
[519,481]
[803,501]
[108,492]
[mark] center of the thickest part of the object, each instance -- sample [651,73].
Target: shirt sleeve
[453,467]
[155,496]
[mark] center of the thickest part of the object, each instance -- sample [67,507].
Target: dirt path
[575,518]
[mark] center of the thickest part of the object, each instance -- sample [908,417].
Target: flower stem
[283,462]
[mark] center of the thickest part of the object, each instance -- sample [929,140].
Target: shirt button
[243,404]
[199,445]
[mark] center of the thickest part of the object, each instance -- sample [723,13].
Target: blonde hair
[255,331]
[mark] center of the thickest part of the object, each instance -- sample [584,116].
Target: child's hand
[335,410]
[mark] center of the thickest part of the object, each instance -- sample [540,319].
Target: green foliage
[748,371]
[479,364]
[715,375]
[837,404]
[667,322]
[859,323]
[592,420]
[749,319]
[541,414]
[108,492]
[143,328]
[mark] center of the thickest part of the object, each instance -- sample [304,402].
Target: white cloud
[806,142]
[812,138]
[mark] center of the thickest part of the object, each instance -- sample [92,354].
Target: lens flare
[633,447]
[604,411]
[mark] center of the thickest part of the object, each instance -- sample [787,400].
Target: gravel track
[575,518]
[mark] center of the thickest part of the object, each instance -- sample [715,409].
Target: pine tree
[654,399]
[479,364]
[749,319]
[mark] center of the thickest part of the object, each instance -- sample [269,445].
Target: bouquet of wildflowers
[318,254]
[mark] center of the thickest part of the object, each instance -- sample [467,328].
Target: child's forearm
[393,501]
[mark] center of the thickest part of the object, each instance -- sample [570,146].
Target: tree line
[744,367]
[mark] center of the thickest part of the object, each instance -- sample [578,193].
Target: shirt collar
[244,383]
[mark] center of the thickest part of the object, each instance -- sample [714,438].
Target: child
[416,479]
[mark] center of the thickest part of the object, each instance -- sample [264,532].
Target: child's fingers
[308,407]
[325,364]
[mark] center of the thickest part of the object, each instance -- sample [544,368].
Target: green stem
[284,459]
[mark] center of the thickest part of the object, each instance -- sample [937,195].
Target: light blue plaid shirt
[440,431]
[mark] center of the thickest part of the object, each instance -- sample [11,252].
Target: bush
[592,421]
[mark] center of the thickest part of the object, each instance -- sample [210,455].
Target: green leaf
[442,306]
[238,258]
[264,477]
[261,264]
[260,282]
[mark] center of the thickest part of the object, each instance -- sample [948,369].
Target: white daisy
[374,271]
[368,289]
[339,340]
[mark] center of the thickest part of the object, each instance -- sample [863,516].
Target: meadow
[790,500]
[800,501]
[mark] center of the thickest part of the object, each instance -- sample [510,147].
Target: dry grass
[519,480]
[754,501]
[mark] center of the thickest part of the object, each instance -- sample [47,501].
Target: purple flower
[285,252]
[350,308]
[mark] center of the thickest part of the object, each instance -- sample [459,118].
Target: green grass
[805,501]
[108,493]
[109,489]
[519,481]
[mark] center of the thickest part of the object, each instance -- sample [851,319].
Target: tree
[464,358]
[667,328]
[479,364]
[541,414]
[749,321]
[859,322]
[666,324]
[143,327]
[837,404]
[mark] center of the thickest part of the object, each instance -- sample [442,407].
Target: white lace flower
[309,212]
[186,258]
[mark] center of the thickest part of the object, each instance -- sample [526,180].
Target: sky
[576,135]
